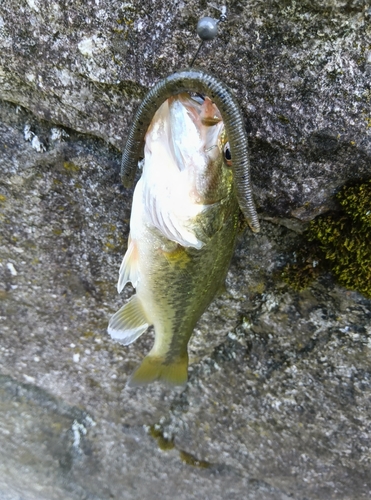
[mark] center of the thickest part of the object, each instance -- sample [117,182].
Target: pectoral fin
[158,368]
[174,228]
[129,322]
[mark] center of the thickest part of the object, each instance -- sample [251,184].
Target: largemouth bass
[182,234]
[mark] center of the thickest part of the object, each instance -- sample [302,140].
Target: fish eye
[227,154]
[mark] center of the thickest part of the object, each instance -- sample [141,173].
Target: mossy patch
[307,266]
[168,444]
[338,242]
[163,443]
[71,167]
[283,119]
[192,460]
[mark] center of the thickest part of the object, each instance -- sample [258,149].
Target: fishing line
[207,28]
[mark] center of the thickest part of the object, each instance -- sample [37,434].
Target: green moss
[167,444]
[340,242]
[356,203]
[283,119]
[307,267]
[346,239]
[88,334]
[163,443]
[192,460]
[71,167]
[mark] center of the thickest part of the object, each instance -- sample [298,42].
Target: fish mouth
[201,109]
[197,118]
[186,137]
[196,143]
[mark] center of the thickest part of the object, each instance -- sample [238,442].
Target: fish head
[189,134]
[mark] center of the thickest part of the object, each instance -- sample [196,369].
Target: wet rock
[278,401]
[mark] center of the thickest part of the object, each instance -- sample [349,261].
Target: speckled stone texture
[278,404]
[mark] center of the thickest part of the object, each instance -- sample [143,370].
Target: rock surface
[279,396]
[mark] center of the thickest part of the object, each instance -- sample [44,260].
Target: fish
[183,227]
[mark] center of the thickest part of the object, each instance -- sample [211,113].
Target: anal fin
[129,322]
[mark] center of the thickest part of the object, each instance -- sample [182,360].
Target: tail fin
[157,368]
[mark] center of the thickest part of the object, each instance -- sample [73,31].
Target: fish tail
[154,368]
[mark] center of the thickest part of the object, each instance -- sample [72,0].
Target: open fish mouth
[195,129]
[184,149]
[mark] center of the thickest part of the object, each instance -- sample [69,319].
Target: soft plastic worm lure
[196,80]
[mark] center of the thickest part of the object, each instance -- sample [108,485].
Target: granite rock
[278,400]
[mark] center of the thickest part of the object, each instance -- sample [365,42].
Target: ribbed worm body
[196,80]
